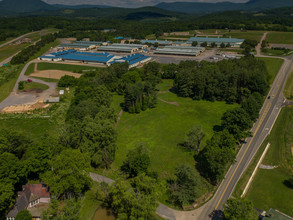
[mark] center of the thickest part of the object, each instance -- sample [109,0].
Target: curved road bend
[260,130]
[16,98]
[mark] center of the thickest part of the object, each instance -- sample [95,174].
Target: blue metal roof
[88,57]
[215,40]
[61,53]
[131,59]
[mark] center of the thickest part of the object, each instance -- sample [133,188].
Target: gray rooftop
[216,40]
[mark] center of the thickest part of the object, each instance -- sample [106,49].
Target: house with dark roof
[33,197]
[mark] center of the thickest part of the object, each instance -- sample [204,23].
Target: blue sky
[128,3]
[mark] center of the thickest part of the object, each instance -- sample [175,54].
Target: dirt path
[163,92]
[36,67]
[171,103]
[119,117]
[258,47]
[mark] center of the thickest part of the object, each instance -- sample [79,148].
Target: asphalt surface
[20,98]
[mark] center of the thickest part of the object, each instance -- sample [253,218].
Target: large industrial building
[160,42]
[123,48]
[180,50]
[81,45]
[233,42]
[89,57]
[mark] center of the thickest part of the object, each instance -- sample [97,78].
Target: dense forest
[275,19]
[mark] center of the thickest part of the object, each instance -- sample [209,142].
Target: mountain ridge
[204,8]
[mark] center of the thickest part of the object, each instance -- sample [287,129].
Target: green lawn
[273,66]
[288,90]
[165,85]
[249,35]
[6,88]
[9,50]
[117,100]
[280,37]
[271,52]
[34,128]
[64,67]
[89,203]
[163,129]
[45,79]
[34,85]
[30,69]
[269,189]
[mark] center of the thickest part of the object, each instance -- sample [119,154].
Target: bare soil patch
[171,103]
[24,108]
[54,74]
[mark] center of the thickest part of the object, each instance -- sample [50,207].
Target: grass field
[163,129]
[6,88]
[34,85]
[269,188]
[280,37]
[9,50]
[45,79]
[271,52]
[249,35]
[34,128]
[65,67]
[273,65]
[89,203]
[30,69]
[288,90]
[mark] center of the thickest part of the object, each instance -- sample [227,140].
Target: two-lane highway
[260,130]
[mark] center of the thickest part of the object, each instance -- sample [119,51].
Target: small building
[273,214]
[160,42]
[33,197]
[53,99]
[233,42]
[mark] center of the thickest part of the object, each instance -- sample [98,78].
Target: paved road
[260,130]
[20,98]
[16,39]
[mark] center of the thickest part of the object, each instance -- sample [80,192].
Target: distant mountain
[21,6]
[79,6]
[110,13]
[205,8]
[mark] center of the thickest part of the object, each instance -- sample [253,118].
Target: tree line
[29,51]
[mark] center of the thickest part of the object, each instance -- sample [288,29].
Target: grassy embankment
[273,65]
[270,188]
[64,67]
[288,90]
[275,37]
[35,86]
